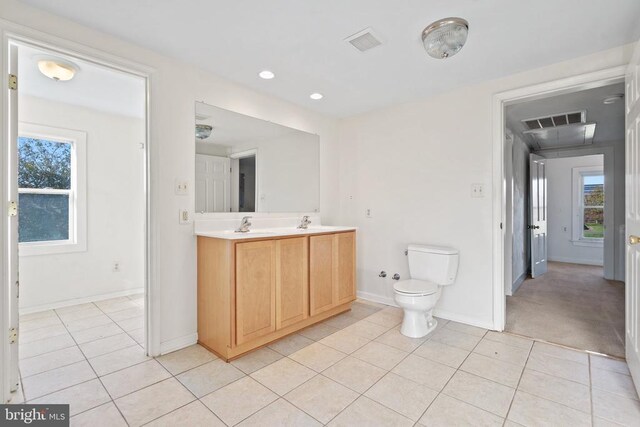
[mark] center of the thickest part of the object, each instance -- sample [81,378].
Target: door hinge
[13,335]
[13,82]
[12,210]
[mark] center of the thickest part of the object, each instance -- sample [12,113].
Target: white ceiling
[93,86]
[609,119]
[303,41]
[231,128]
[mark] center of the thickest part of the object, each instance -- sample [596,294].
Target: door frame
[498,103]
[234,158]
[15,33]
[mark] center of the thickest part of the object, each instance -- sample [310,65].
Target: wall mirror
[244,164]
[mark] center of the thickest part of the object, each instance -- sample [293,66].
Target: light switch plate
[182,188]
[477,190]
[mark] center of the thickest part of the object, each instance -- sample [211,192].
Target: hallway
[571,305]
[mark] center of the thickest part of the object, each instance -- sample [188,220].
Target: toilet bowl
[431,268]
[417,298]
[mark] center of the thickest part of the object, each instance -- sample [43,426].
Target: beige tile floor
[571,305]
[353,370]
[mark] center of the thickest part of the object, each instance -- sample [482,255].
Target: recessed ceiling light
[266,74]
[316,96]
[57,69]
[613,99]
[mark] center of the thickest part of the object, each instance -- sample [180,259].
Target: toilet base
[417,324]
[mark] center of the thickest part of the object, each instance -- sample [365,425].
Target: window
[51,183]
[588,206]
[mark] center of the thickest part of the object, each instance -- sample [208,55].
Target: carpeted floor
[572,305]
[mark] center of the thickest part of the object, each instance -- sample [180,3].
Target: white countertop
[265,233]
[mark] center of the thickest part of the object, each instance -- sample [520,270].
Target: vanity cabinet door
[292,281]
[255,290]
[323,271]
[346,267]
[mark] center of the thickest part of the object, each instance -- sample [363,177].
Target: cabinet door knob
[634,240]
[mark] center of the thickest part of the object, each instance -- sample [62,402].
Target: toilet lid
[416,287]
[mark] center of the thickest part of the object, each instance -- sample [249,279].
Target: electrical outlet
[477,190]
[182,188]
[183,216]
[368,213]
[116,267]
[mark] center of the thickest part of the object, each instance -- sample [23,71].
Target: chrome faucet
[304,224]
[244,225]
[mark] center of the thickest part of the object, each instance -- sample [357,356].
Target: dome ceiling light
[203,131]
[57,69]
[444,38]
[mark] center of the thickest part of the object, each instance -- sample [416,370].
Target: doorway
[78,171]
[564,245]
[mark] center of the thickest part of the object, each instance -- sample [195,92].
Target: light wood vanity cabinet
[252,292]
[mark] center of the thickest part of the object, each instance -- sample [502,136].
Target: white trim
[235,182]
[577,261]
[460,318]
[499,101]
[76,301]
[77,241]
[376,298]
[577,207]
[178,343]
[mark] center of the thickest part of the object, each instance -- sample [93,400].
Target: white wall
[560,212]
[414,164]
[174,89]
[115,211]
[288,172]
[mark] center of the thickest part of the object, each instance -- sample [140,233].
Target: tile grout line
[524,367]
[94,371]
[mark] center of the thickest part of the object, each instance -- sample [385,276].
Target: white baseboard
[76,301]
[436,312]
[519,281]
[461,318]
[376,298]
[578,261]
[178,343]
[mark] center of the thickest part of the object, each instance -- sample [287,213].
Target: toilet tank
[435,264]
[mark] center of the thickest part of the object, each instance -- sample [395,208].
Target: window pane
[593,190]
[44,164]
[593,223]
[43,217]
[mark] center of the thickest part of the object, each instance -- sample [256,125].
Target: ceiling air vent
[556,120]
[364,40]
[559,131]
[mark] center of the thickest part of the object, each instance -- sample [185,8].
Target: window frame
[77,241]
[578,207]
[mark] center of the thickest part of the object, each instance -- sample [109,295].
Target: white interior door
[212,184]
[632,213]
[538,214]
[10,368]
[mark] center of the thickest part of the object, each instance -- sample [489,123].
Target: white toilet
[430,267]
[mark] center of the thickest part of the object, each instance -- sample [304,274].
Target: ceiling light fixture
[57,69]
[266,74]
[203,131]
[445,37]
[316,96]
[613,99]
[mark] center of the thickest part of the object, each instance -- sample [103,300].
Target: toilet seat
[415,287]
